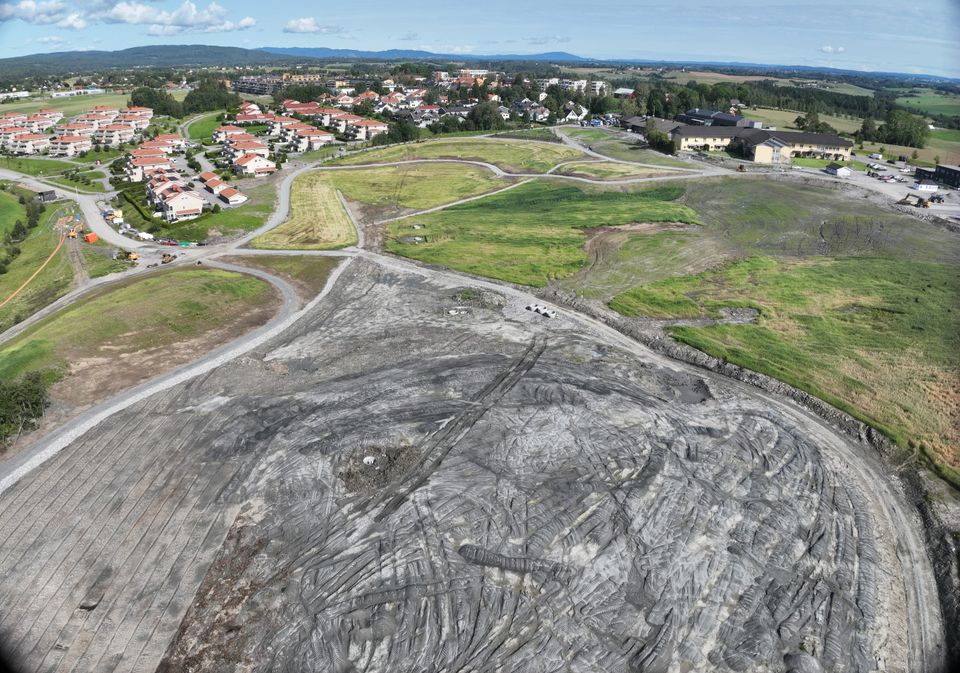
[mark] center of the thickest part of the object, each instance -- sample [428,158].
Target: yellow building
[763,146]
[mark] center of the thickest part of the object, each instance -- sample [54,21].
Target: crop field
[875,336]
[784,119]
[947,150]
[153,323]
[528,235]
[75,105]
[608,170]
[51,283]
[513,156]
[392,189]
[317,219]
[932,102]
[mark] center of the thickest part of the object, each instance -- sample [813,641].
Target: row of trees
[899,128]
[211,94]
[9,244]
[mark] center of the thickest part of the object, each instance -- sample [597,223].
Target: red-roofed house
[221,133]
[253,164]
[365,129]
[207,176]
[232,196]
[9,134]
[30,143]
[215,186]
[113,134]
[137,166]
[76,129]
[69,146]
[182,206]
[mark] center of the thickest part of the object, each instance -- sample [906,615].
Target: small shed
[839,170]
[46,196]
[91,237]
[926,186]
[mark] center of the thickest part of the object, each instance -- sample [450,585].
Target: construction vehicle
[919,203]
[166,258]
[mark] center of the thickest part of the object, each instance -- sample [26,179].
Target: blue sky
[913,36]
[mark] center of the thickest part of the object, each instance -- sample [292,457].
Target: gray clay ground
[540,499]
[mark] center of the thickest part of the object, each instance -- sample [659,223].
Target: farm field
[531,234]
[510,156]
[157,322]
[307,274]
[393,189]
[783,119]
[874,336]
[947,150]
[608,170]
[51,283]
[930,101]
[317,219]
[75,105]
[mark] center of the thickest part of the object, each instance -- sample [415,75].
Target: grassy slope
[50,284]
[317,219]
[542,134]
[608,170]
[36,166]
[875,336]
[202,129]
[530,234]
[306,273]
[783,119]
[513,156]
[414,186]
[154,312]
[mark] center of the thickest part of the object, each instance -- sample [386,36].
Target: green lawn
[67,180]
[514,156]
[155,312]
[530,234]
[609,170]
[69,106]
[590,135]
[877,337]
[99,261]
[105,155]
[36,166]
[202,129]
[541,134]
[391,189]
[628,148]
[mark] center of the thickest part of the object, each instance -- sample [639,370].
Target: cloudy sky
[919,36]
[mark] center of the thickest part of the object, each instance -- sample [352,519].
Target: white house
[9,135]
[839,170]
[181,206]
[926,186]
[253,164]
[365,129]
[215,185]
[222,133]
[138,166]
[310,139]
[233,197]
[30,143]
[113,134]
[69,146]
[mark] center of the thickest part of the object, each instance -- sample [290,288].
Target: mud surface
[538,499]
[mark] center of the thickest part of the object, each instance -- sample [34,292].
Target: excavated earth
[418,478]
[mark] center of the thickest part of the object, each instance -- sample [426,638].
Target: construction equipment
[166,258]
[91,237]
[919,203]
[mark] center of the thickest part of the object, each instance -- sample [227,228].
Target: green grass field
[541,134]
[947,150]
[317,219]
[202,129]
[51,283]
[105,155]
[66,180]
[784,119]
[530,234]
[587,135]
[623,147]
[99,262]
[877,337]
[156,312]
[391,189]
[513,156]
[932,102]
[36,166]
[608,170]
[69,106]
[823,163]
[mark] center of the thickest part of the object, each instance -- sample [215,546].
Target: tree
[211,94]
[902,128]
[161,102]
[868,130]
[486,117]
[914,155]
[936,160]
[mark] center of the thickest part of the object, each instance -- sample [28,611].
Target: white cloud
[308,24]
[50,39]
[187,17]
[827,49]
[547,39]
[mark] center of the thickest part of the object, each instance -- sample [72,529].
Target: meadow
[510,156]
[931,102]
[529,235]
[317,221]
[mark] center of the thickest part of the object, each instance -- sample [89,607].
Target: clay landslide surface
[538,500]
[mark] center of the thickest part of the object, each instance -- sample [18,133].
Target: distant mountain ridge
[416,54]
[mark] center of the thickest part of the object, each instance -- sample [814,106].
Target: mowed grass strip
[416,186]
[166,310]
[512,156]
[318,220]
[531,234]
[202,129]
[36,166]
[874,336]
[608,170]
